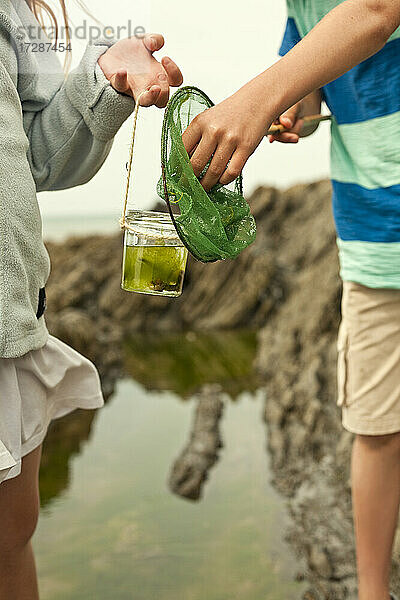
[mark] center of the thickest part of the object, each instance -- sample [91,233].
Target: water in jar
[157,270]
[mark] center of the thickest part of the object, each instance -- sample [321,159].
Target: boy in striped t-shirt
[346,53]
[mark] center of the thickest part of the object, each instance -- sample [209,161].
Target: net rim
[188,89]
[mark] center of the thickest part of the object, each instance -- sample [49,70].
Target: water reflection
[117,532]
[111,528]
[180,363]
[191,469]
[64,440]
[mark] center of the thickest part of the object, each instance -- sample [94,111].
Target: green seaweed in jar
[157,270]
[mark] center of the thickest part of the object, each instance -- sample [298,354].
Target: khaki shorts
[369,360]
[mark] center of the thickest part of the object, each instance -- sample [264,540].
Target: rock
[76,328]
[311,414]
[274,411]
[320,562]
[277,447]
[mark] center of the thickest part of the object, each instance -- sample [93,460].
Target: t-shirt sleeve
[290,38]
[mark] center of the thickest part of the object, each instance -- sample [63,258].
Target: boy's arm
[292,119]
[232,130]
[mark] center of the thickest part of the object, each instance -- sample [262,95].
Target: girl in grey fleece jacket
[55,133]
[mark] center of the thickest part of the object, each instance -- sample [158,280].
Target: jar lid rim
[152,224]
[153,214]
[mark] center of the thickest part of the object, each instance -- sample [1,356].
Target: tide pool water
[111,528]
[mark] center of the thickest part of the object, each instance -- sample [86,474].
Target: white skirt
[42,385]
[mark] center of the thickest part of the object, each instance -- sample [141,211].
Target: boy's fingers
[191,137]
[235,167]
[284,138]
[289,118]
[153,41]
[174,73]
[202,154]
[218,165]
[288,137]
[298,126]
[193,151]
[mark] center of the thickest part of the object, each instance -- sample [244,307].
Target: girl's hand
[131,68]
[227,134]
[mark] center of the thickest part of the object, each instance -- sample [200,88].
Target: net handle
[123,223]
[310,120]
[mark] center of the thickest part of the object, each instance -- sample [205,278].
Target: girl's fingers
[119,81]
[235,167]
[150,97]
[203,154]
[163,97]
[218,165]
[153,41]
[174,73]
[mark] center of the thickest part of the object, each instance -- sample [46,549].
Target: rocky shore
[286,287]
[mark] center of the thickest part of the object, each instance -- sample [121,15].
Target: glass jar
[154,259]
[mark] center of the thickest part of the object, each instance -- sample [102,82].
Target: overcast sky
[219,45]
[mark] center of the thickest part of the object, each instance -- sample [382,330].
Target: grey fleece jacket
[54,134]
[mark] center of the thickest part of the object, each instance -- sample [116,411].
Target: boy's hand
[292,119]
[227,134]
[131,68]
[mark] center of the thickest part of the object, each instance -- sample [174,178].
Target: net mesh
[213,226]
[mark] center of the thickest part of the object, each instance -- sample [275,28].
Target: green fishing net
[214,225]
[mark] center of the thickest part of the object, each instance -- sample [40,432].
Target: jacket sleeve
[70,138]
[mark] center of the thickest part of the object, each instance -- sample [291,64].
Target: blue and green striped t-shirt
[365,153]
